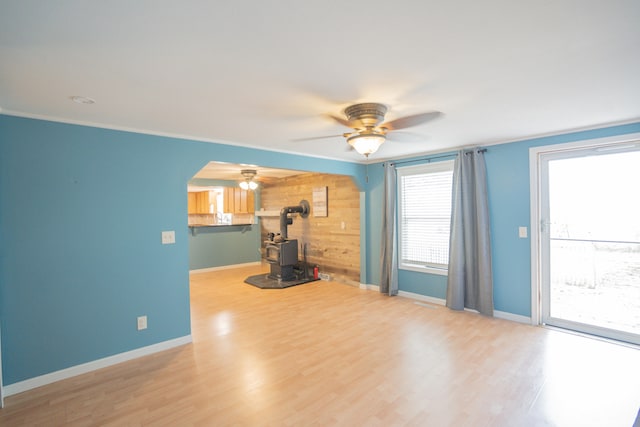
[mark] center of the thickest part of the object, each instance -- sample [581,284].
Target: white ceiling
[233,172]
[263,73]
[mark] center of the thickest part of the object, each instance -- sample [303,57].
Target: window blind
[425,216]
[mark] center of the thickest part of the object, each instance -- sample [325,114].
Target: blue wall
[81,213]
[509,206]
[219,246]
[82,208]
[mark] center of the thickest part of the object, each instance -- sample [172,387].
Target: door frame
[535,182]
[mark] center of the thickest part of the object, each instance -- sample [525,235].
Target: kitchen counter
[219,220]
[204,227]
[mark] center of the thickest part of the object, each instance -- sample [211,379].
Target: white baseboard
[512,317]
[423,298]
[439,301]
[73,371]
[224,267]
[405,294]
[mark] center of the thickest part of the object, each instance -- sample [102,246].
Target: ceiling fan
[370,130]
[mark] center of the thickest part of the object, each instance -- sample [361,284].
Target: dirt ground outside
[596,284]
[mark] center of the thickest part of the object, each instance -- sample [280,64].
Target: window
[424,216]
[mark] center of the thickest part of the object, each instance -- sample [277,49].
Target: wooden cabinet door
[191,203]
[203,202]
[237,204]
[243,201]
[228,200]
[237,200]
[251,205]
[199,202]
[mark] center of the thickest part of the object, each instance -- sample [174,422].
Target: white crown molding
[163,134]
[509,141]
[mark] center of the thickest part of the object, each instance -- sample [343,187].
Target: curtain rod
[428,159]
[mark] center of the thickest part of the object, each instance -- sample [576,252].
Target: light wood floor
[328,354]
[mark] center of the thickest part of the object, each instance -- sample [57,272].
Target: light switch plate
[168,237]
[522,232]
[142,323]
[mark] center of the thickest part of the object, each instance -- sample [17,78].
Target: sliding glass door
[590,240]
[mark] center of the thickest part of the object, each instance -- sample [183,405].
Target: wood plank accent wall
[335,250]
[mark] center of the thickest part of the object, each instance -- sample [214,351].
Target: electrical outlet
[142,323]
[168,237]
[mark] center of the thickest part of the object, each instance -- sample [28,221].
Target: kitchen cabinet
[238,201]
[199,202]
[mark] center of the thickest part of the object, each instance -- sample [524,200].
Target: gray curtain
[389,254]
[470,280]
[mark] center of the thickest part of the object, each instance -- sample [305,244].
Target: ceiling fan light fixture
[369,126]
[366,144]
[248,183]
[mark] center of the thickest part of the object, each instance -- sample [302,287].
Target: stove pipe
[302,209]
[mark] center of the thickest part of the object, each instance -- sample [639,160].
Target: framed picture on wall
[320,202]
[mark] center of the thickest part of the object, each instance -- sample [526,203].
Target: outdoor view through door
[590,240]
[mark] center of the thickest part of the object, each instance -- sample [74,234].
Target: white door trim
[535,154]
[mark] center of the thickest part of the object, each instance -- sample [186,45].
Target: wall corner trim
[84,368]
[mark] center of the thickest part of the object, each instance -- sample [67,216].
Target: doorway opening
[329,239]
[588,235]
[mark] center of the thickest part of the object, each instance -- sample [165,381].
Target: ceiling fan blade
[409,121]
[403,136]
[340,120]
[314,138]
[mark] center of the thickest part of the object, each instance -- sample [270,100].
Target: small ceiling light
[248,183]
[85,100]
[366,142]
